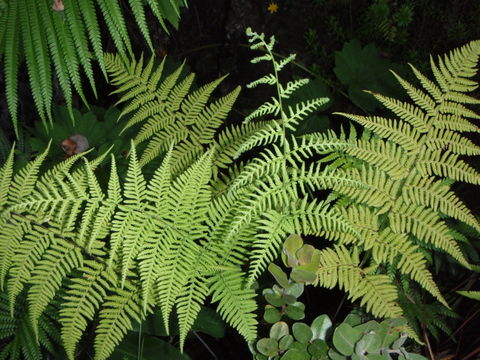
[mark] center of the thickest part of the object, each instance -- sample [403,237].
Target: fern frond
[13,232]
[236,302]
[390,246]
[370,186]
[139,14]
[383,155]
[12,61]
[438,196]
[446,164]
[190,197]
[189,304]
[271,133]
[302,110]
[399,132]
[406,111]
[61,258]
[6,173]
[455,123]
[426,225]
[340,267]
[26,256]
[268,108]
[272,227]
[454,69]
[291,87]
[130,225]
[118,311]
[82,300]
[452,141]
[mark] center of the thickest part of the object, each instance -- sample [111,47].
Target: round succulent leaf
[279,275]
[296,345]
[369,343]
[285,342]
[333,355]
[370,327]
[320,326]
[295,311]
[391,330]
[353,319]
[293,354]
[295,289]
[318,348]
[290,247]
[279,330]
[303,276]
[302,332]
[261,357]
[273,298]
[289,299]
[271,314]
[267,346]
[304,254]
[345,338]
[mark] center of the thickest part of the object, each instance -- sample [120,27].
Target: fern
[17,336]
[64,41]
[416,154]
[203,227]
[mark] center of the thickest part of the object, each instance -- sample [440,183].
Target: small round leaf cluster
[289,339]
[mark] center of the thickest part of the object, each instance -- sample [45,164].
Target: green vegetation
[148,226]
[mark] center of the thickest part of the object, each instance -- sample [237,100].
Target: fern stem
[297,63]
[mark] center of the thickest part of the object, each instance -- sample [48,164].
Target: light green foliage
[65,41]
[407,160]
[201,227]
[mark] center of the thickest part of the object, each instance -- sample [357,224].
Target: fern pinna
[63,37]
[112,252]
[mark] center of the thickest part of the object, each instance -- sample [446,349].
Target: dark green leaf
[304,276]
[295,290]
[293,354]
[302,332]
[209,322]
[267,346]
[271,314]
[296,345]
[318,348]
[353,319]
[333,355]
[295,311]
[273,298]
[361,68]
[285,342]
